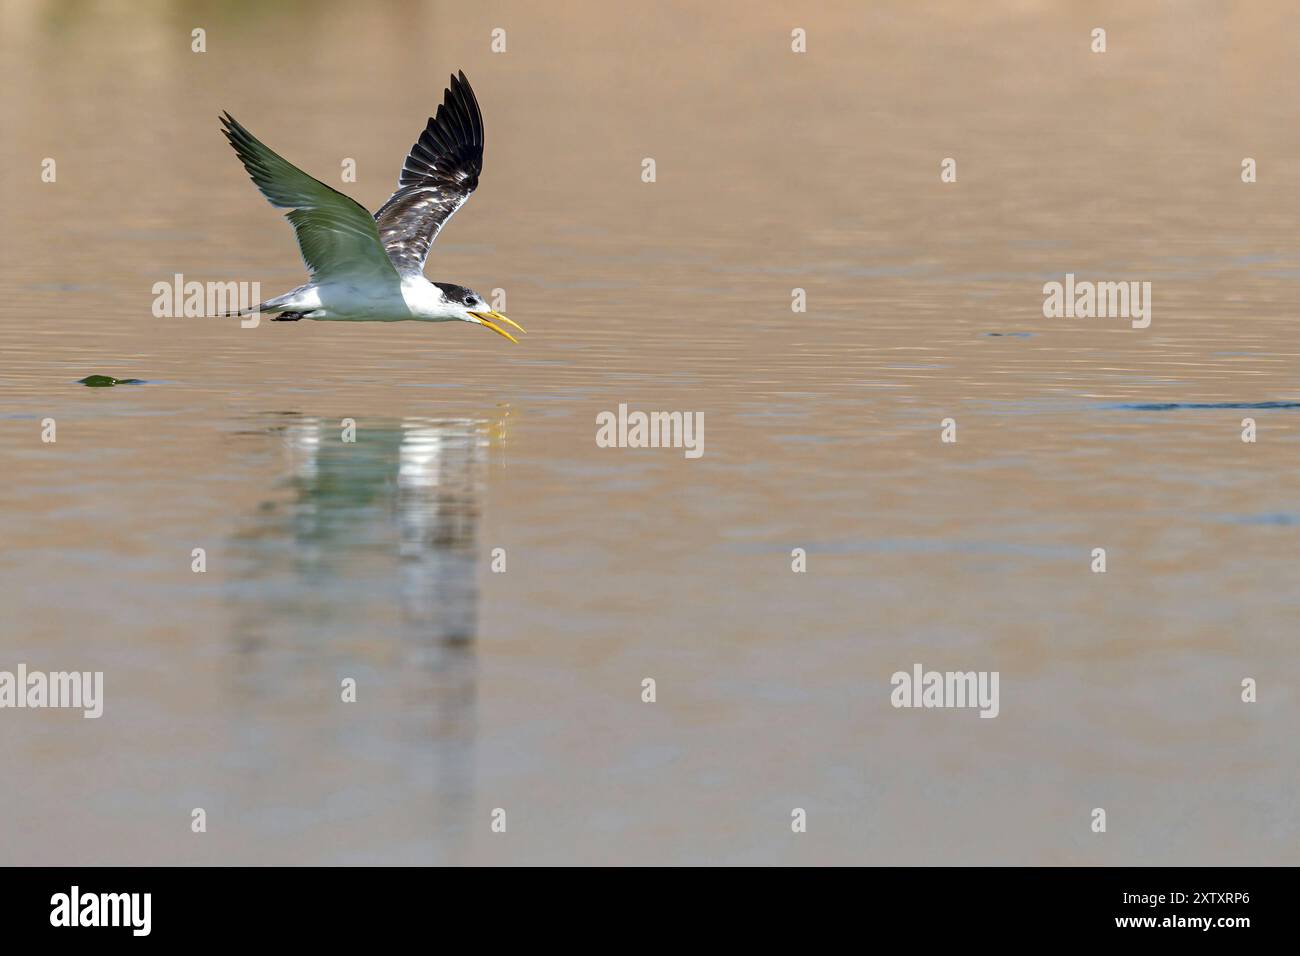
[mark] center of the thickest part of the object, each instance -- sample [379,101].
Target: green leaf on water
[107,381]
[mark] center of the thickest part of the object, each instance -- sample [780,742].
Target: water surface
[329,560]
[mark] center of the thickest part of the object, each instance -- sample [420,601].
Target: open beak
[490,319]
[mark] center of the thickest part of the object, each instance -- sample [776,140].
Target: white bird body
[371,268]
[415,298]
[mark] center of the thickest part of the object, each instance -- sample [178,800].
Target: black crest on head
[457,293]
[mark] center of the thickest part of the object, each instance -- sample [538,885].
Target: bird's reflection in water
[367,568]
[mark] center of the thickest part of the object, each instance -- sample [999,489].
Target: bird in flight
[371,268]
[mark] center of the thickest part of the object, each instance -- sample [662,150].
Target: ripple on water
[1173,406]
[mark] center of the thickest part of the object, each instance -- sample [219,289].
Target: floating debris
[107,381]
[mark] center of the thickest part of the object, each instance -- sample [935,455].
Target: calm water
[521,690]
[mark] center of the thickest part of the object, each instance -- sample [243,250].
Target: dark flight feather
[440,172]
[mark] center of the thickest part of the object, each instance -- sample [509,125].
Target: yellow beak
[487,319]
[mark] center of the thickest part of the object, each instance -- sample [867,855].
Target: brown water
[522,690]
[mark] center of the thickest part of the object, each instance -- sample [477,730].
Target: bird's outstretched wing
[440,172]
[336,235]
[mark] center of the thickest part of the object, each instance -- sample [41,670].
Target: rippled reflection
[362,563]
[409,491]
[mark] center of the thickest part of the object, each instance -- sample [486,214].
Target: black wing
[439,174]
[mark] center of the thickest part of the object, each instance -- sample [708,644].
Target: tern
[368,268]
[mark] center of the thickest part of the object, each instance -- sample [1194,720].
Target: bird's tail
[270,305]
